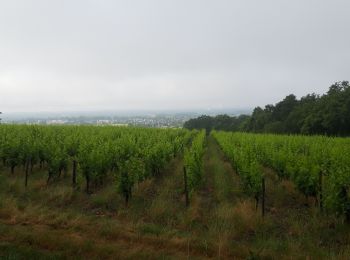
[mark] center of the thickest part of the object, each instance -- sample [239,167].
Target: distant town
[142,119]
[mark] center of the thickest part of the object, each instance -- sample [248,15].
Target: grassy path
[215,204]
[226,182]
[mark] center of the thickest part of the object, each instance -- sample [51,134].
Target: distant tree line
[327,114]
[220,122]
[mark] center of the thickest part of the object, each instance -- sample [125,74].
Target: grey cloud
[68,55]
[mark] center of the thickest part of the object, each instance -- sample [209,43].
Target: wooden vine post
[26,172]
[74,175]
[186,188]
[263,197]
[320,184]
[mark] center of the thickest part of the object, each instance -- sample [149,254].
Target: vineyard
[318,166]
[125,155]
[123,192]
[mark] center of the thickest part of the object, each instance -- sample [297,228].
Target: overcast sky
[158,54]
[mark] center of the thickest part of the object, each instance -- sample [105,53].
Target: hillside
[56,221]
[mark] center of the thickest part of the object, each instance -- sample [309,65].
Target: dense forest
[327,114]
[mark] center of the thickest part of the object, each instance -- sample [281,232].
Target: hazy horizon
[59,56]
[14,116]
[156,110]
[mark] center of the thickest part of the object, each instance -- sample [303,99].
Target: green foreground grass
[56,222]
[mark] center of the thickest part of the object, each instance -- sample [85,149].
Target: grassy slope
[57,223]
[292,227]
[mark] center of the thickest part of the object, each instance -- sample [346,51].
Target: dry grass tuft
[9,209]
[193,214]
[145,188]
[246,218]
